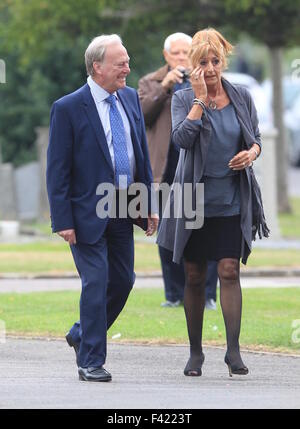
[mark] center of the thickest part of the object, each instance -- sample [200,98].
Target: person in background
[155,91]
[211,285]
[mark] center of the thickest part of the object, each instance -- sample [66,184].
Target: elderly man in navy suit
[97,136]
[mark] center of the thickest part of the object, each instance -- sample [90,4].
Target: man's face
[178,54]
[112,72]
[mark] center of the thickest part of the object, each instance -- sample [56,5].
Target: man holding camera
[155,93]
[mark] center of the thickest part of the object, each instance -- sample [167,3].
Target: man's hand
[152,224]
[174,76]
[68,235]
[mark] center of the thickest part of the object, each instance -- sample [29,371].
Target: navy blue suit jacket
[78,160]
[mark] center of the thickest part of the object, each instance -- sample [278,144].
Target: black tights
[231,304]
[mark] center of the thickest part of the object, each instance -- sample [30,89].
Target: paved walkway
[56,284]
[42,374]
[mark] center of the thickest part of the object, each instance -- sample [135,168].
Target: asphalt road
[43,285]
[42,374]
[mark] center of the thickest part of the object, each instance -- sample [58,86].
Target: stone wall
[8,205]
[28,183]
[265,170]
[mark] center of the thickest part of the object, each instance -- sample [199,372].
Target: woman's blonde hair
[209,40]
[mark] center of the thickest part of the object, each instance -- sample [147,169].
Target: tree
[275,23]
[43,42]
[272,22]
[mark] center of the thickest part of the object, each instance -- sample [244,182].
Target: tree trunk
[281,141]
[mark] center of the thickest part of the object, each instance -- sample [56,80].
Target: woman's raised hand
[198,83]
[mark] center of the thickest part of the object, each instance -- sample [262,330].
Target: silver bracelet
[199,102]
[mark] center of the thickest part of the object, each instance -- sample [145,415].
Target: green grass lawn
[289,223]
[55,258]
[267,318]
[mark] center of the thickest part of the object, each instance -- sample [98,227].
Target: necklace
[212,104]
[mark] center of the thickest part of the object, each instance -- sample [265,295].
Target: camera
[185,75]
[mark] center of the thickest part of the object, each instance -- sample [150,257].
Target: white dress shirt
[99,95]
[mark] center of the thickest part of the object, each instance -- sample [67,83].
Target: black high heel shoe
[234,369]
[194,372]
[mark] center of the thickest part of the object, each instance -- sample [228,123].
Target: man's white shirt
[99,95]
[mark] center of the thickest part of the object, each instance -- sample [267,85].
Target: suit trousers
[211,280]
[106,269]
[173,274]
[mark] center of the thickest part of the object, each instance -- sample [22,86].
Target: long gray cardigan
[193,137]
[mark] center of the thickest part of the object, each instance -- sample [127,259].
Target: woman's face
[212,66]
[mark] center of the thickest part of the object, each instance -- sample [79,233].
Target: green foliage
[290,222]
[43,43]
[28,94]
[274,22]
[54,257]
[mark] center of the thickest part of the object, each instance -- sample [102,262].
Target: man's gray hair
[174,37]
[96,50]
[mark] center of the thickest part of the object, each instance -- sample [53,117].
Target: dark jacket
[156,106]
[78,161]
[193,137]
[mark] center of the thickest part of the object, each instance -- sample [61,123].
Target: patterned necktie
[122,165]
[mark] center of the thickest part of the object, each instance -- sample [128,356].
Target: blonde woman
[215,124]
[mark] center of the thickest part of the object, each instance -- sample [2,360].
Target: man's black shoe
[72,343]
[94,374]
